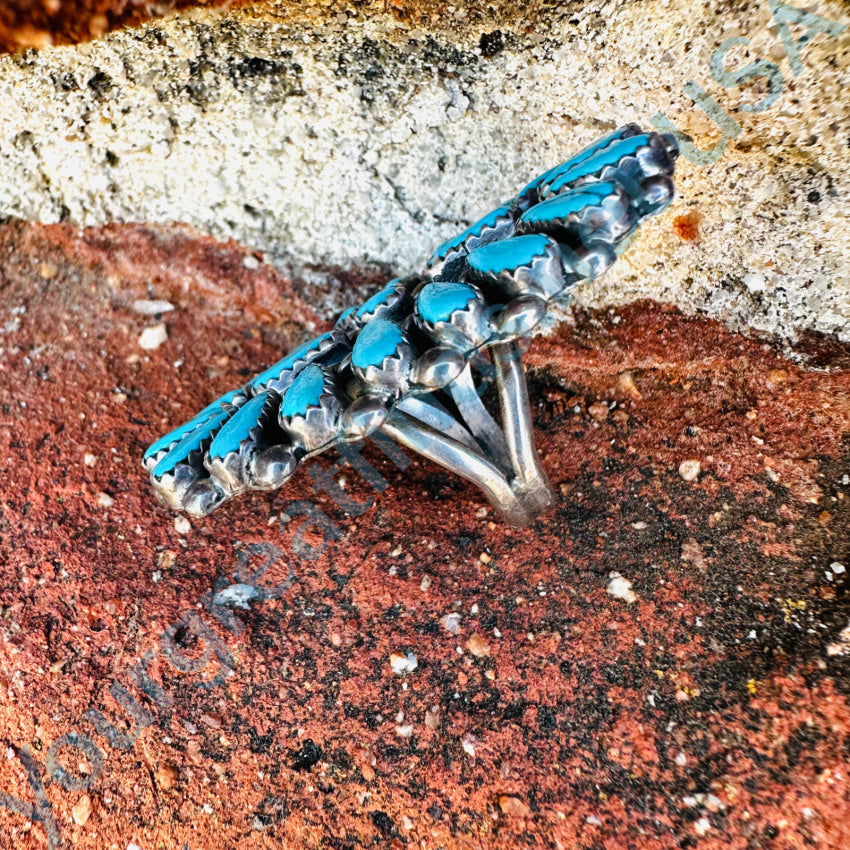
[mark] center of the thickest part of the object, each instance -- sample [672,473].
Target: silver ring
[413,361]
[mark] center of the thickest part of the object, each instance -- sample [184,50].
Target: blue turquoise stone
[288,362]
[572,162]
[379,339]
[437,301]
[190,443]
[564,205]
[179,433]
[476,229]
[236,428]
[176,435]
[509,254]
[594,164]
[305,391]
[378,299]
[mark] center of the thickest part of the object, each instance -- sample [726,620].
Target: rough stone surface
[710,710]
[334,139]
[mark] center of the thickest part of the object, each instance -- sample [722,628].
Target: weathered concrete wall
[361,142]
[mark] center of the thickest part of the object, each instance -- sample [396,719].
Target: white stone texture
[362,144]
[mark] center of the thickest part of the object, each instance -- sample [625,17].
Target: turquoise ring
[413,362]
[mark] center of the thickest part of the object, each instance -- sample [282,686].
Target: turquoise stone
[476,229]
[594,164]
[581,156]
[437,301]
[179,433]
[509,254]
[190,443]
[236,428]
[288,362]
[378,299]
[379,339]
[575,201]
[305,391]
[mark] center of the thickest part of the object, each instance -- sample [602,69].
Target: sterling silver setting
[414,360]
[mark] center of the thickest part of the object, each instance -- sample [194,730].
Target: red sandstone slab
[41,23]
[711,711]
